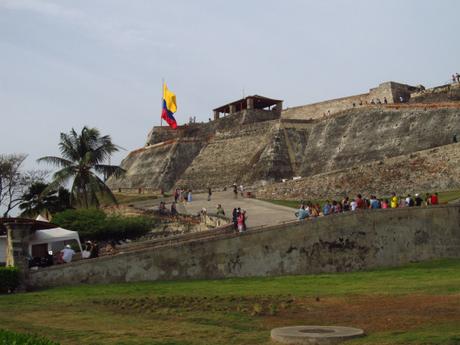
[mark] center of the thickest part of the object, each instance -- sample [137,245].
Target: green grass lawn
[416,304]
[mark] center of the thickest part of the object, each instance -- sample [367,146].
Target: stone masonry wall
[436,169]
[444,93]
[228,157]
[360,136]
[341,243]
[390,90]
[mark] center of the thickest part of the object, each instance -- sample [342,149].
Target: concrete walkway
[259,212]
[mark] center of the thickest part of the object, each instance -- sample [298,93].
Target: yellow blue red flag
[169,107]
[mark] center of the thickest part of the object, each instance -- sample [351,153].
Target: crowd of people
[309,209]
[456,78]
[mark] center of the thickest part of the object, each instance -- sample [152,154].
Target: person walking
[235,191]
[209,193]
[235,218]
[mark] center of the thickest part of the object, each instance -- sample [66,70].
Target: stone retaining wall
[345,242]
[436,169]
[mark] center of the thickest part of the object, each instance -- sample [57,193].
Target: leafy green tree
[34,202]
[83,157]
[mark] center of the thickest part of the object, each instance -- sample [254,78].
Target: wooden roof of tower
[260,102]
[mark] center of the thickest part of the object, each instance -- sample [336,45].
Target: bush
[9,338]
[9,279]
[93,224]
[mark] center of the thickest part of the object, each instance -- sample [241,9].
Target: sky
[100,63]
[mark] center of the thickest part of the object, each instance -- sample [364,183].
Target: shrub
[8,338]
[93,224]
[9,279]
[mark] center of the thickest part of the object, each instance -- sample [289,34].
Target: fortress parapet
[390,91]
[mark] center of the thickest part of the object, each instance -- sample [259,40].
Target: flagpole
[162,90]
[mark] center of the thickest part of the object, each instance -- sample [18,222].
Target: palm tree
[35,203]
[82,159]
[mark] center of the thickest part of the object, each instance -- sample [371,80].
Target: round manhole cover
[314,334]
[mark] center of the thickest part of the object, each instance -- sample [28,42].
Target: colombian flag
[169,107]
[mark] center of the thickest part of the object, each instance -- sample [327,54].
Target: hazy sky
[99,63]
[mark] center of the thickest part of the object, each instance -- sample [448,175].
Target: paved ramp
[259,212]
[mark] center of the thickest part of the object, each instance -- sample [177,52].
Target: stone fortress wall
[435,169]
[347,242]
[256,146]
[389,90]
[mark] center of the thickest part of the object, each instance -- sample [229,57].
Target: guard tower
[257,104]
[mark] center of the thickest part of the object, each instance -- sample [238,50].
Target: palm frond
[57,161]
[109,170]
[68,146]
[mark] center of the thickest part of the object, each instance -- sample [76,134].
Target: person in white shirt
[353,205]
[67,254]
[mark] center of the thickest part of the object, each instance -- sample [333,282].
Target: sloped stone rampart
[430,170]
[341,243]
[360,136]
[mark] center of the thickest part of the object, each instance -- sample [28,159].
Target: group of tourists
[91,250]
[455,78]
[309,209]
[164,211]
[237,189]
[182,195]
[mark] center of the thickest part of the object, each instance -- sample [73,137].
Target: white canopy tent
[45,241]
[54,236]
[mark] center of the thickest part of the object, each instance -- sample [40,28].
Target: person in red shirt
[360,202]
[434,199]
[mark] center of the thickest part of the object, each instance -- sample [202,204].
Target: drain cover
[314,334]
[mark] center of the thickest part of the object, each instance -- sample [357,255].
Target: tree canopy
[83,157]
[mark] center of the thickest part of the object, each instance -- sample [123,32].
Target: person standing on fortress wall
[360,204]
[409,202]
[374,203]
[173,209]
[385,203]
[427,199]
[327,208]
[434,200]
[209,193]
[453,79]
[235,191]
[418,200]
[220,211]
[346,204]
[235,218]
[176,195]
[458,77]
[353,205]
[394,202]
